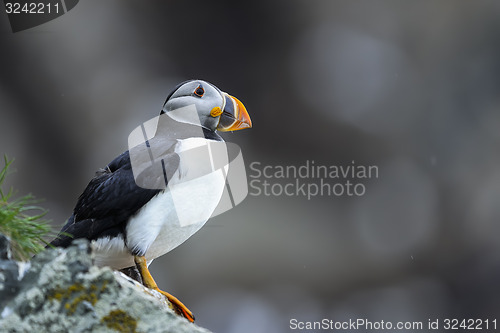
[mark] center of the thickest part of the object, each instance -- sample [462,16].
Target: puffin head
[217,110]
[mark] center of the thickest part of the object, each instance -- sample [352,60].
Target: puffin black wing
[109,201]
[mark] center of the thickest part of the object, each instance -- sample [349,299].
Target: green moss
[120,321]
[77,293]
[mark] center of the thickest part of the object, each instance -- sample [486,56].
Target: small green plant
[22,221]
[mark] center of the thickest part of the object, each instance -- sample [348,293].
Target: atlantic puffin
[129,224]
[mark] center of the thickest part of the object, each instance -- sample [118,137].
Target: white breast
[171,217]
[193,202]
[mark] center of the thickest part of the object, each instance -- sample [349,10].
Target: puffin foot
[149,282]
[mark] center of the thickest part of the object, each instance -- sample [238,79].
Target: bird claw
[148,281]
[177,306]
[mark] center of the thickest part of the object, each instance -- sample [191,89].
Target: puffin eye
[199,91]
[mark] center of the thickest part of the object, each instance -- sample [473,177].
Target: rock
[61,291]
[5,253]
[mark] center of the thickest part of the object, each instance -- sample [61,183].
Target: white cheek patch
[187,114]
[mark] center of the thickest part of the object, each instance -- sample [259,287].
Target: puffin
[154,196]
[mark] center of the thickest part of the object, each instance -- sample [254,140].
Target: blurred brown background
[412,87]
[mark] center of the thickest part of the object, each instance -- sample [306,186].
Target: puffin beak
[234,116]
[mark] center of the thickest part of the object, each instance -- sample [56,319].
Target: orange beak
[234,117]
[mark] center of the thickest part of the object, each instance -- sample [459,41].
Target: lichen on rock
[121,321]
[61,291]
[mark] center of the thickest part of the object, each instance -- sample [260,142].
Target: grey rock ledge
[61,291]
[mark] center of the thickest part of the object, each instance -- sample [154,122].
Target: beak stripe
[234,116]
